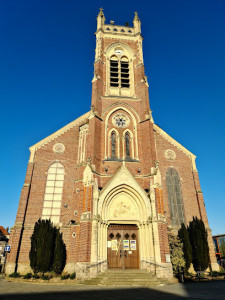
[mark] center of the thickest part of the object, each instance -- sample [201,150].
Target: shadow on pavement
[200,290]
[115,294]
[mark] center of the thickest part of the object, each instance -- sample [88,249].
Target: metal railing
[154,264]
[97,264]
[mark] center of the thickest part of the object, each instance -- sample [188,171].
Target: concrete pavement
[195,290]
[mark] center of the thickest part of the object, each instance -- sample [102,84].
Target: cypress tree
[199,242]
[187,249]
[59,260]
[42,246]
[48,251]
[33,250]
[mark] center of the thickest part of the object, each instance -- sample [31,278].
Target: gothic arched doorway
[123,246]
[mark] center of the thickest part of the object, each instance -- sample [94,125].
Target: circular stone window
[170,154]
[58,148]
[74,234]
[121,120]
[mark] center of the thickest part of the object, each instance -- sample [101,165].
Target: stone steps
[125,278]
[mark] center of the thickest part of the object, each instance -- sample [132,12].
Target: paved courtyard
[198,290]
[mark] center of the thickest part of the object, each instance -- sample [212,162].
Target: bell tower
[120,120]
[119,68]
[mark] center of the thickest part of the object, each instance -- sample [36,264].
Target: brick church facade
[112,180]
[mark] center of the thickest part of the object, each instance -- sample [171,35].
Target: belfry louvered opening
[114,71]
[119,72]
[124,71]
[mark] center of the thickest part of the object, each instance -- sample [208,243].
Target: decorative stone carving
[123,209]
[58,148]
[121,120]
[170,154]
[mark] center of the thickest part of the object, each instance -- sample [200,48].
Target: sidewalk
[197,290]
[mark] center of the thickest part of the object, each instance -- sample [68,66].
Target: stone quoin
[111,180]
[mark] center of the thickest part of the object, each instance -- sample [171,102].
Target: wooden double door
[122,247]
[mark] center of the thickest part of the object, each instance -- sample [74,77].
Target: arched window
[119,72]
[175,197]
[53,192]
[127,145]
[113,145]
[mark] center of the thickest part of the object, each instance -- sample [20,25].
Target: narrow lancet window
[127,144]
[113,144]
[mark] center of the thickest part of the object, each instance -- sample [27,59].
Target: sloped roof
[3,230]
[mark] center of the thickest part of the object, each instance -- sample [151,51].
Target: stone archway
[122,201]
[124,205]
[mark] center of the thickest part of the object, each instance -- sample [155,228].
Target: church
[112,180]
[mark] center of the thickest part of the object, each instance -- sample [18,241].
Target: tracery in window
[53,193]
[119,72]
[175,197]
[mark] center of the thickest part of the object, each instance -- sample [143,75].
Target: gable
[56,134]
[176,144]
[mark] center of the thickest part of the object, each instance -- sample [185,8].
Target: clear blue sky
[46,68]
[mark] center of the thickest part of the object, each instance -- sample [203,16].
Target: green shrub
[14,275]
[73,276]
[36,276]
[48,251]
[184,238]
[199,241]
[59,259]
[42,246]
[201,275]
[64,277]
[214,273]
[45,277]
[27,276]
[176,252]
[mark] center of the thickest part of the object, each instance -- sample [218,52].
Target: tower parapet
[112,29]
